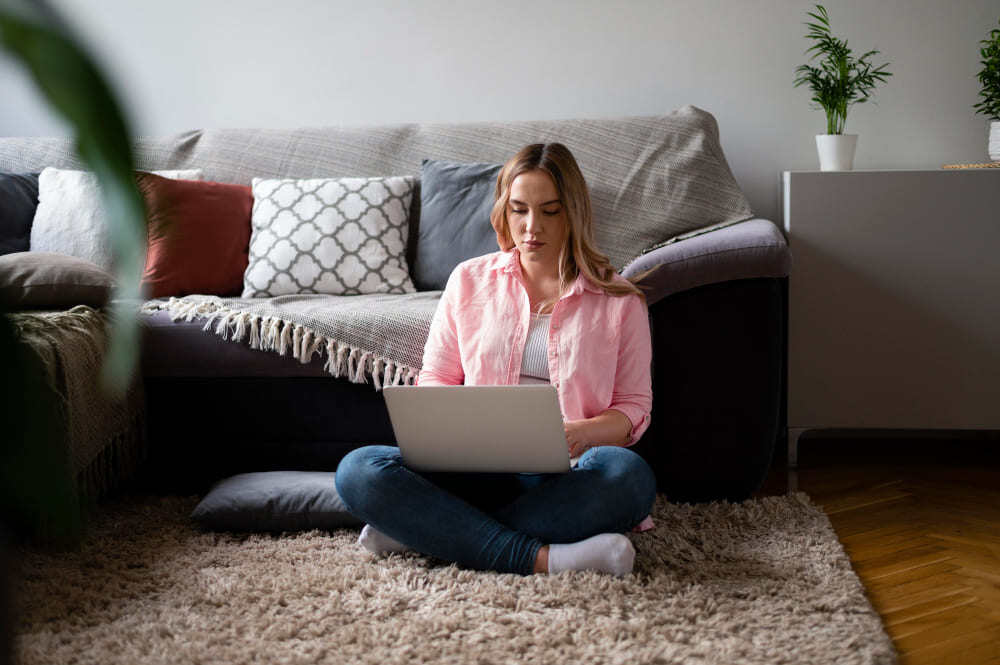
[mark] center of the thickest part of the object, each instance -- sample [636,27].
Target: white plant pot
[994,145]
[836,151]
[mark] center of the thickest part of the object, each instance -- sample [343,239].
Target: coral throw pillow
[198,236]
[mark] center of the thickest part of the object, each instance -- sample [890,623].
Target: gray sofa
[716,301]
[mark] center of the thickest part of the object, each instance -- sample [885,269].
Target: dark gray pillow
[18,200]
[274,501]
[455,204]
[44,280]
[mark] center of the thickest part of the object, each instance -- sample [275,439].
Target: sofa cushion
[651,177]
[198,234]
[41,280]
[338,236]
[70,215]
[274,501]
[747,250]
[18,200]
[455,204]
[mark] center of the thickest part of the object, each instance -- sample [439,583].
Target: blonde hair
[578,254]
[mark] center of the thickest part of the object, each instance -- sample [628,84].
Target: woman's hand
[610,428]
[576,437]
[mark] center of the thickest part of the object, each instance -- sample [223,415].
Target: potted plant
[839,82]
[989,78]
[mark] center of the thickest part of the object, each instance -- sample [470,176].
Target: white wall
[184,64]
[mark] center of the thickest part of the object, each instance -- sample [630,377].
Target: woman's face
[536,218]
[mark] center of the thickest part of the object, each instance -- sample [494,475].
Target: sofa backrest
[651,178]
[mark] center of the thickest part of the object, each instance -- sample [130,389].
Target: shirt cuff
[637,416]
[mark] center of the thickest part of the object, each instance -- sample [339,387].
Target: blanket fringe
[255,332]
[284,338]
[273,326]
[116,463]
[241,327]
[296,340]
[270,333]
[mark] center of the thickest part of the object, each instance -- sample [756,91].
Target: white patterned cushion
[70,215]
[338,236]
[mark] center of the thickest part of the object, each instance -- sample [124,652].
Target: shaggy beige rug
[765,581]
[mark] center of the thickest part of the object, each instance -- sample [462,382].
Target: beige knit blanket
[104,433]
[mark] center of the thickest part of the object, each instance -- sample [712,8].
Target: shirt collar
[510,263]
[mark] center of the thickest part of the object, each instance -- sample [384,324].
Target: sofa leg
[793,445]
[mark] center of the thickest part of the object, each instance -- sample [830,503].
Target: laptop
[517,429]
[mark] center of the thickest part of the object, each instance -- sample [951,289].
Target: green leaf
[989,76]
[840,80]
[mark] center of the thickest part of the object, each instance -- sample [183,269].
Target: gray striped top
[535,361]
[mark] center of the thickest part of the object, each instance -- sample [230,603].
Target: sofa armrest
[718,387]
[746,250]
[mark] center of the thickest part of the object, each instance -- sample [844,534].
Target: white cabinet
[894,300]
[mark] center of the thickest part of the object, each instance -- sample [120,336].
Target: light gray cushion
[274,501]
[43,280]
[651,178]
[750,249]
[455,204]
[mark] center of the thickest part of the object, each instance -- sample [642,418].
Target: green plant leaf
[840,80]
[76,90]
[989,76]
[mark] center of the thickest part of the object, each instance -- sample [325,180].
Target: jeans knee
[357,471]
[627,472]
[645,482]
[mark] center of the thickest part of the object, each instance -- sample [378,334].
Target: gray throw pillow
[18,201]
[44,280]
[274,501]
[455,204]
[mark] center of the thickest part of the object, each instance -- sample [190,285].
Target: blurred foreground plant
[36,494]
[35,35]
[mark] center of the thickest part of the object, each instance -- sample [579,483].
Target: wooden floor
[920,520]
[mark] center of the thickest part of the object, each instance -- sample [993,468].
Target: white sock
[377,542]
[606,552]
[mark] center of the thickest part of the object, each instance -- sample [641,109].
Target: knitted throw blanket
[377,337]
[104,433]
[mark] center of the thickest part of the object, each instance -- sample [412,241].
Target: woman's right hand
[576,437]
[610,428]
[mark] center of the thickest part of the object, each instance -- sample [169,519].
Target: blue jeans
[496,521]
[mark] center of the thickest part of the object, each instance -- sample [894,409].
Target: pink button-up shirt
[599,347]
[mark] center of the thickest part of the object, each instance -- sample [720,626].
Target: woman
[547,308]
